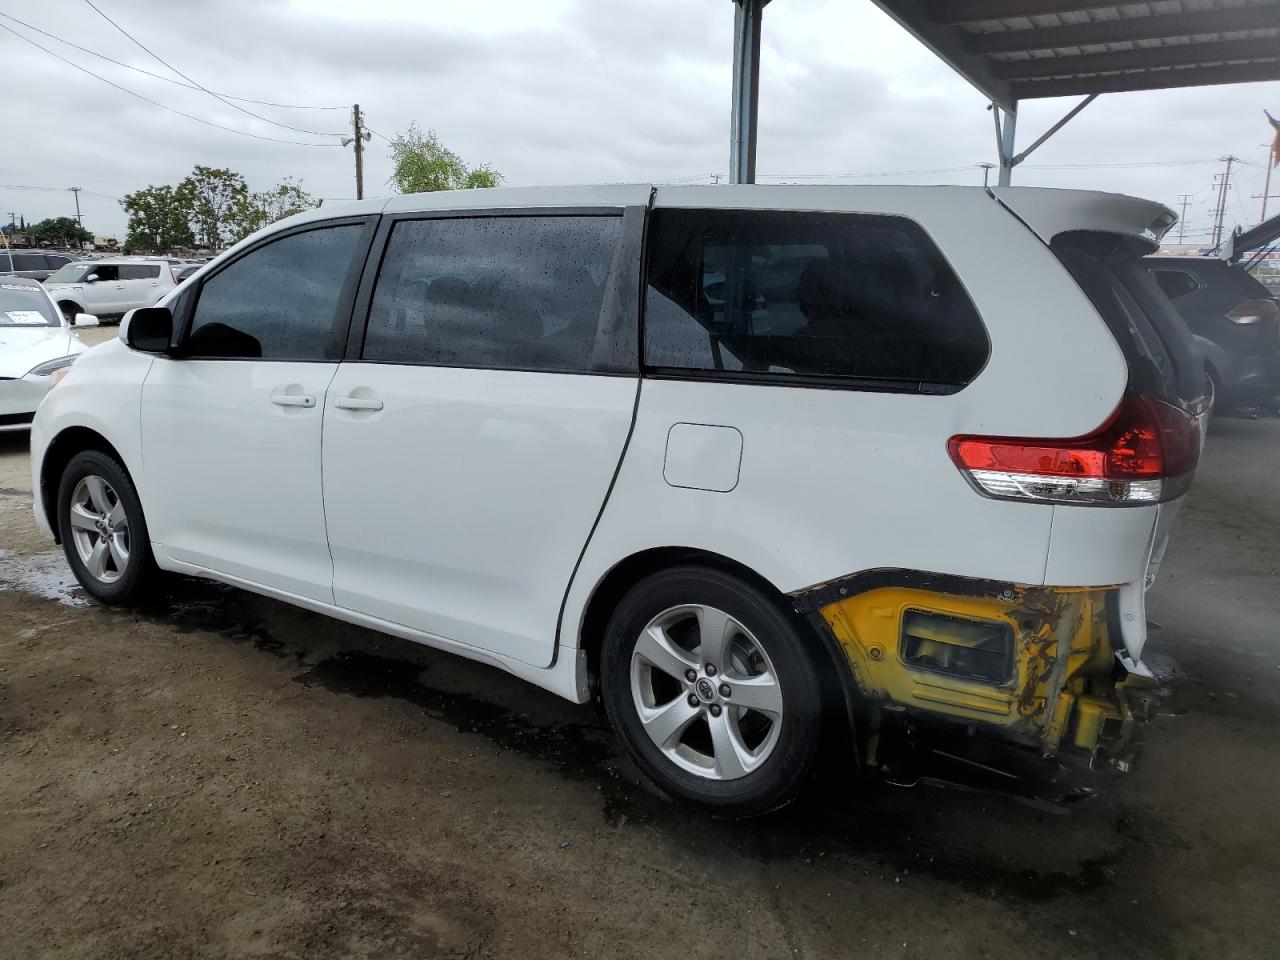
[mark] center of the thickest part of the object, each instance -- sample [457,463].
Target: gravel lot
[225,776]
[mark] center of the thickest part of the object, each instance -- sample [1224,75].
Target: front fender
[101,394]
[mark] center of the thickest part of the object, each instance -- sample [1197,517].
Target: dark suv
[33,264]
[1236,324]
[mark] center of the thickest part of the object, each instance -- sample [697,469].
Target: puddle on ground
[43,575]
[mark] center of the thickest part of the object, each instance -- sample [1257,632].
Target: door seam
[608,493]
[324,510]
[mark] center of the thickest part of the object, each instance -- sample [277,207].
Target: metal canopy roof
[1015,50]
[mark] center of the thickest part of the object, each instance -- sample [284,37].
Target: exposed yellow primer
[1063,661]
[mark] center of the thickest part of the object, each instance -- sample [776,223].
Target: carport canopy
[1016,50]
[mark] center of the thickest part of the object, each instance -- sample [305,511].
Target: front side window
[105,272]
[279,301]
[70,273]
[820,296]
[494,292]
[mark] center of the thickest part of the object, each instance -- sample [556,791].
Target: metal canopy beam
[1177,55]
[1120,31]
[747,17]
[971,11]
[917,17]
[1153,80]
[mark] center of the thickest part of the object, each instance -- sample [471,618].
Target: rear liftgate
[1004,686]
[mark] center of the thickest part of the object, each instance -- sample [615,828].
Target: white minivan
[751,464]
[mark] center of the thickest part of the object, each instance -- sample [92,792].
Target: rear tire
[104,533]
[710,685]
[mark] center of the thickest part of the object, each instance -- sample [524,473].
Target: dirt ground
[225,776]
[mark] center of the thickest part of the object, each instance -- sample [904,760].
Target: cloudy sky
[559,91]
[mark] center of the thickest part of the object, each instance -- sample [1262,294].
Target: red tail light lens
[1255,311]
[1146,452]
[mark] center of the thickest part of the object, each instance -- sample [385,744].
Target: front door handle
[358,403]
[293,400]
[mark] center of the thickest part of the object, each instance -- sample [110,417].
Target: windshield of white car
[71,273]
[22,305]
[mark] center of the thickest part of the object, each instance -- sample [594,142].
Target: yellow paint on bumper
[1062,685]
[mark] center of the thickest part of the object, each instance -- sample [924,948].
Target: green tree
[220,209]
[421,164]
[59,231]
[283,200]
[159,220]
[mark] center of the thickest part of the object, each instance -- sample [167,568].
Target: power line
[218,97]
[1132,163]
[156,103]
[862,176]
[19,186]
[160,76]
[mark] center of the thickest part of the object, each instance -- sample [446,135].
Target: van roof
[1047,211]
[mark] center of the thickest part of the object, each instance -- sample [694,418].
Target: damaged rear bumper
[966,668]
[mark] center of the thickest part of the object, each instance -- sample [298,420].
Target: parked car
[1235,321]
[185,272]
[36,345]
[111,287]
[905,475]
[32,264]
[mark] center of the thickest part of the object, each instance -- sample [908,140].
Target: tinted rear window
[1162,357]
[852,299]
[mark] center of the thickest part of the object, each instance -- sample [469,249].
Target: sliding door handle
[358,403]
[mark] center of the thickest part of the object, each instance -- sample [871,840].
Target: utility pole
[986,172]
[1266,190]
[1184,199]
[76,191]
[1224,184]
[359,148]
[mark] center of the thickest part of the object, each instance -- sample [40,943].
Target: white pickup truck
[109,288]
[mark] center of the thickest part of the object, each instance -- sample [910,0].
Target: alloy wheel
[706,692]
[100,529]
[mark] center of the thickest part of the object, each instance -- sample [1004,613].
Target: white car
[905,476]
[110,288]
[36,345]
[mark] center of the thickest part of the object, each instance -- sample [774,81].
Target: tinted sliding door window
[280,301]
[516,293]
[848,298]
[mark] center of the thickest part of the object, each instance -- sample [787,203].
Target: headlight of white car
[49,367]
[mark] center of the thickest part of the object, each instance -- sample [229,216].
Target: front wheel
[710,685]
[103,531]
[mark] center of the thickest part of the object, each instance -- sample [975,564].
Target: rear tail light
[173,272]
[1145,453]
[1255,311]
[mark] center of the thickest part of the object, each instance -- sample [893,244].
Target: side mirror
[86,320]
[91,278]
[148,329]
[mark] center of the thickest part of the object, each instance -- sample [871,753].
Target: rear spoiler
[1238,244]
[1051,212]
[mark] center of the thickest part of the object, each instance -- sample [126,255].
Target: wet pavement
[223,775]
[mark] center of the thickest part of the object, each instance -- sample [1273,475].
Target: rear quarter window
[1159,349]
[828,299]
